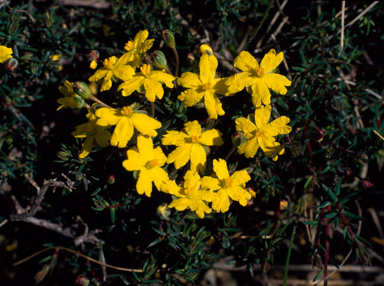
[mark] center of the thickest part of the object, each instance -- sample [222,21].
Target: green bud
[191,58]
[93,55]
[111,179]
[159,60]
[82,280]
[12,64]
[238,138]
[82,89]
[163,211]
[169,38]
[48,20]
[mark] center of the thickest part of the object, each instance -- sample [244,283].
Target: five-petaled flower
[260,133]
[204,85]
[227,186]
[112,67]
[94,134]
[189,195]
[71,99]
[5,53]
[190,145]
[150,81]
[126,120]
[148,161]
[259,77]
[136,49]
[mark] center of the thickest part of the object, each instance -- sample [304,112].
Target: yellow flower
[94,134]
[112,68]
[151,82]
[148,161]
[204,85]
[259,77]
[5,53]
[190,145]
[126,119]
[260,133]
[227,186]
[136,49]
[71,99]
[190,195]
[93,64]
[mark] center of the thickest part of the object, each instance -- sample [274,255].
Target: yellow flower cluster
[133,126]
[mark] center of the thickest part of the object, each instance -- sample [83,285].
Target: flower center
[145,70]
[207,86]
[130,47]
[152,164]
[87,128]
[110,62]
[228,182]
[260,72]
[126,111]
[195,138]
[189,190]
[259,133]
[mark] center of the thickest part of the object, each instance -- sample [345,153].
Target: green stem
[289,255]
[177,60]
[99,101]
[258,28]
[230,153]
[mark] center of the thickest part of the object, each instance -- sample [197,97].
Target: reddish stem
[341,148]
[345,221]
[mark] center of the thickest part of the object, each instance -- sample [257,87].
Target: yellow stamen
[260,72]
[228,182]
[145,70]
[207,86]
[259,133]
[129,47]
[110,63]
[195,138]
[152,164]
[189,190]
[126,111]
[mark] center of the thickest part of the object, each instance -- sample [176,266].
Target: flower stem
[177,60]
[261,23]
[230,153]
[153,109]
[99,101]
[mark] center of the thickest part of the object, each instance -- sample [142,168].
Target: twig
[3,222]
[261,23]
[79,254]
[378,134]
[23,11]
[40,196]
[366,10]
[342,26]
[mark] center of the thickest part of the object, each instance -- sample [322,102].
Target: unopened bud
[93,55]
[317,133]
[48,20]
[82,89]
[158,59]
[111,179]
[238,138]
[12,64]
[362,157]
[367,184]
[206,50]
[163,211]
[169,38]
[82,280]
[191,58]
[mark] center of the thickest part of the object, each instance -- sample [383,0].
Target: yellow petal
[145,125]
[161,76]
[276,82]
[180,156]
[87,147]
[160,156]
[107,116]
[249,148]
[152,89]
[145,147]
[260,93]
[208,66]
[210,183]
[193,128]
[270,147]
[262,115]
[132,84]
[123,132]
[135,161]
[189,80]
[99,74]
[271,60]
[220,168]
[240,177]
[102,137]
[191,96]
[144,183]
[198,158]
[213,105]
[278,126]
[221,204]
[211,138]
[174,138]
[124,72]
[246,62]
[243,124]
[160,176]
[179,204]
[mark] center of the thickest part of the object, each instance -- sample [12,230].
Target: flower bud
[367,184]
[317,134]
[12,64]
[48,20]
[169,38]
[82,89]
[93,55]
[82,280]
[238,138]
[111,179]
[206,50]
[158,59]
[163,211]
[362,157]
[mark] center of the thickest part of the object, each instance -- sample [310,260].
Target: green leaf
[318,276]
[324,205]
[351,215]
[162,233]
[308,181]
[156,241]
[113,215]
[312,222]
[330,214]
[338,187]
[363,240]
